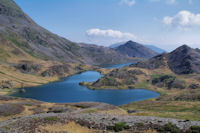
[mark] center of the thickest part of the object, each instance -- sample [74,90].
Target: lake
[68,90]
[111,66]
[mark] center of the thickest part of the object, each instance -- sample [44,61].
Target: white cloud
[183,19]
[109,33]
[128,2]
[109,36]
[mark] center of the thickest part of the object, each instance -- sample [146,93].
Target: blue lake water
[68,90]
[110,66]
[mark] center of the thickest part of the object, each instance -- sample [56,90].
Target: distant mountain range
[152,47]
[134,49]
[183,60]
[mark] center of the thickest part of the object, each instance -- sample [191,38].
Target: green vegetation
[143,85]
[119,127]
[51,118]
[89,111]
[169,128]
[35,118]
[10,4]
[6,127]
[141,124]
[1,50]
[109,81]
[168,81]
[19,43]
[166,109]
[194,129]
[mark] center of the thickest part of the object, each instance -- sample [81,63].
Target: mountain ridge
[152,47]
[27,39]
[183,60]
[134,49]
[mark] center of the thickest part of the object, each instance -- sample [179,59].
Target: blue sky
[164,23]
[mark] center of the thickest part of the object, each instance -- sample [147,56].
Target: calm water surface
[69,90]
[110,66]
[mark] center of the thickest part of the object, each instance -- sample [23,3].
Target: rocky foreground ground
[19,115]
[91,120]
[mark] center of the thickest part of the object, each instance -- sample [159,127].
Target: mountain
[97,55]
[183,60]
[152,47]
[31,55]
[22,39]
[134,49]
[155,49]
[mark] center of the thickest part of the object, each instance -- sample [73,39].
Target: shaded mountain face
[183,60]
[152,47]
[134,49]
[22,39]
[97,55]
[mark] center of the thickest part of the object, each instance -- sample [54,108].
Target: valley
[51,84]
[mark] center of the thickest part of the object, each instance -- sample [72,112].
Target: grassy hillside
[43,72]
[31,55]
[180,94]
[21,37]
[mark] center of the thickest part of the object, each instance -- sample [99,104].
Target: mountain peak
[184,47]
[183,60]
[10,8]
[134,49]
[130,42]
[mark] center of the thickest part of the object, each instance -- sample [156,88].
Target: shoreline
[64,78]
[15,89]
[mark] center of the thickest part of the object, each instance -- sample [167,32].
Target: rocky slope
[31,55]
[183,60]
[95,117]
[97,55]
[134,49]
[176,70]
[22,39]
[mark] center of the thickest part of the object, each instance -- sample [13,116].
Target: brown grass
[70,127]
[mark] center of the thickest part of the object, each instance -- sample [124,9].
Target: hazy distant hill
[134,49]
